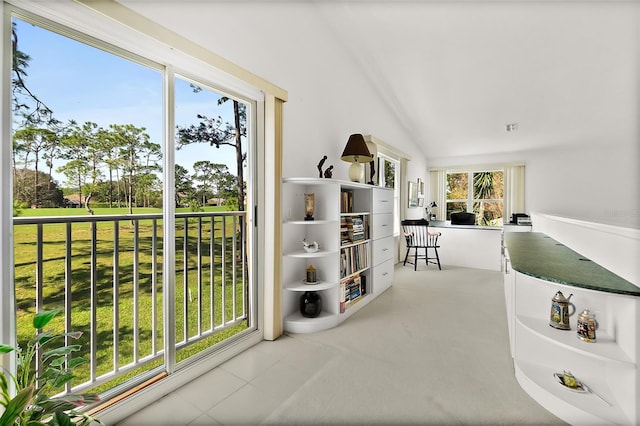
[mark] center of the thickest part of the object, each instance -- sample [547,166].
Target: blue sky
[84,83]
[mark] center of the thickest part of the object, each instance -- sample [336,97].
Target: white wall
[293,46]
[597,183]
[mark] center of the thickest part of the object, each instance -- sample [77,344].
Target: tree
[25,103]
[217,132]
[137,154]
[211,176]
[34,140]
[109,142]
[49,194]
[82,147]
[184,185]
[487,186]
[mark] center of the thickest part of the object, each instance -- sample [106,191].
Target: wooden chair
[417,234]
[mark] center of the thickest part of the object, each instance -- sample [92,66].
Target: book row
[351,290]
[354,259]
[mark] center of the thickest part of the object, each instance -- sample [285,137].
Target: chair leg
[405,257]
[437,258]
[415,259]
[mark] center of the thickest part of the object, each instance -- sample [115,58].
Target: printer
[520,219]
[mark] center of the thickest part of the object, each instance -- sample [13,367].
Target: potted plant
[33,403]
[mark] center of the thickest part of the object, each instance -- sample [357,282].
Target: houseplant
[33,403]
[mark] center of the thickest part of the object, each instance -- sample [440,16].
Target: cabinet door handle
[385,225]
[385,249]
[385,274]
[506,266]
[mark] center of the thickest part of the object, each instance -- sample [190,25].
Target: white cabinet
[608,367]
[341,261]
[535,268]
[382,239]
[509,294]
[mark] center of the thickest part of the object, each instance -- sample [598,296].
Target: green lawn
[54,250]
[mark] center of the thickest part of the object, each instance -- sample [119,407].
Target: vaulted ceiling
[452,73]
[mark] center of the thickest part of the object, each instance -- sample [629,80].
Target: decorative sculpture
[372,166]
[309,205]
[310,248]
[320,164]
[329,172]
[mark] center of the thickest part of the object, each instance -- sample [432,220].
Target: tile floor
[433,349]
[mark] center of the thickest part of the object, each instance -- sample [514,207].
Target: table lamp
[356,153]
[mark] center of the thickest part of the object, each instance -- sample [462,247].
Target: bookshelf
[345,220]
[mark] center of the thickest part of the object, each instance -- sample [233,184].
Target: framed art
[413,194]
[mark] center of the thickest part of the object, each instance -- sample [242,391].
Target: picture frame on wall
[413,194]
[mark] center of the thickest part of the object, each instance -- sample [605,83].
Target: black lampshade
[356,150]
[433,204]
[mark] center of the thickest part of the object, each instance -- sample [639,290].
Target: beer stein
[587,326]
[560,314]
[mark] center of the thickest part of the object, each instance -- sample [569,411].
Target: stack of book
[357,229]
[351,290]
[352,229]
[345,226]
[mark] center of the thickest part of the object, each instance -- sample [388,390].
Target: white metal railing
[211,283]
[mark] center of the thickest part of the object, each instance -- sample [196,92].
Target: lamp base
[355,172]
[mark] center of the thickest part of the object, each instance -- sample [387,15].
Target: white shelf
[296,323]
[604,348]
[355,214]
[353,307]
[320,285]
[573,407]
[360,271]
[304,254]
[308,222]
[355,243]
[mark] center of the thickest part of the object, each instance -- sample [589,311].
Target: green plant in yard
[33,403]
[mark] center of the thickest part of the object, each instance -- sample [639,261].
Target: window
[153,264]
[480,192]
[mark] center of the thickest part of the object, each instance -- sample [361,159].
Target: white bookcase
[325,229]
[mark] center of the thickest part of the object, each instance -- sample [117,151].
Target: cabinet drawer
[382,225]
[382,276]
[382,250]
[382,201]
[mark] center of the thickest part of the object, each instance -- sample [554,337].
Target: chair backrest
[463,218]
[416,232]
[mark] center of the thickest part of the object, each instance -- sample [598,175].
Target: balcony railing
[105,273]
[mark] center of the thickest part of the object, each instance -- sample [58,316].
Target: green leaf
[64,350]
[58,361]
[6,349]
[16,406]
[4,390]
[42,318]
[48,374]
[62,379]
[62,419]
[43,337]
[74,362]
[50,406]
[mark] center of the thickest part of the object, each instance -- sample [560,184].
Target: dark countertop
[447,224]
[537,255]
